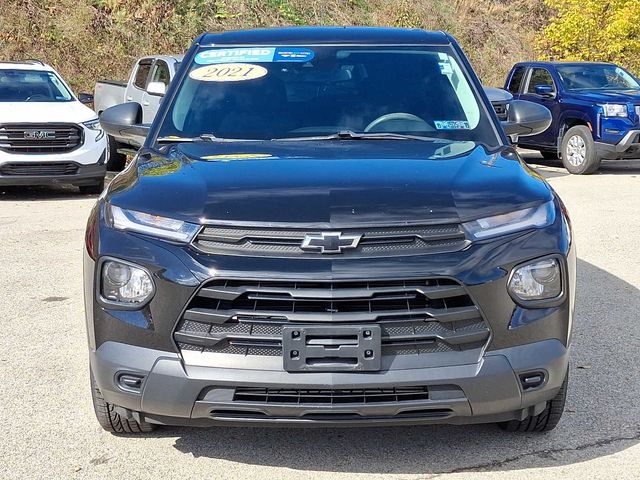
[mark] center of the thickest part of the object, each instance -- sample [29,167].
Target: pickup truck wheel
[579,151]
[110,420]
[547,419]
[94,189]
[116,160]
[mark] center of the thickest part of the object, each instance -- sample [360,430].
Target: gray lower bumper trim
[630,143]
[483,392]
[87,175]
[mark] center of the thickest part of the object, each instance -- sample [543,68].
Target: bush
[593,30]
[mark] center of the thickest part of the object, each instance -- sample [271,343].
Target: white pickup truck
[148,82]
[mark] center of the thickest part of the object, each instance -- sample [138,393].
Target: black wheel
[579,151]
[117,161]
[547,419]
[94,189]
[549,154]
[112,421]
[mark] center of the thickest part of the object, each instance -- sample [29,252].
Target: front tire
[94,189]
[117,161]
[547,420]
[579,154]
[110,420]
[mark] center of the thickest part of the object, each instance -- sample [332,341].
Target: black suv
[328,226]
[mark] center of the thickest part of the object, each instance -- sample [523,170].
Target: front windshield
[32,86]
[266,93]
[596,77]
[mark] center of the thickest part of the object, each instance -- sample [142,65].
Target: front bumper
[627,147]
[174,394]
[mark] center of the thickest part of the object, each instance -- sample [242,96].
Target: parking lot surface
[49,430]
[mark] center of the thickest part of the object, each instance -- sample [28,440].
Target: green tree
[593,30]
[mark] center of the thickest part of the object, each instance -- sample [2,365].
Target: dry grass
[91,39]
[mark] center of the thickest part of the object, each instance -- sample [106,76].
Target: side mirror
[526,118]
[156,88]
[544,90]
[499,99]
[125,121]
[85,98]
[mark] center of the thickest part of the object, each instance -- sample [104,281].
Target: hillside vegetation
[92,39]
[87,40]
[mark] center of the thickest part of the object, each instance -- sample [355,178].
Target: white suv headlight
[96,127]
[534,217]
[154,225]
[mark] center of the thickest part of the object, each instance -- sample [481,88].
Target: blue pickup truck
[595,109]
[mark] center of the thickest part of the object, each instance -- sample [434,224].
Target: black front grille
[330,396]
[27,138]
[38,169]
[415,316]
[373,242]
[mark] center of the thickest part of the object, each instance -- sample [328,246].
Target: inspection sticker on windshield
[451,124]
[261,55]
[228,72]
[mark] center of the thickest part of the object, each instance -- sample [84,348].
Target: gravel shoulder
[49,430]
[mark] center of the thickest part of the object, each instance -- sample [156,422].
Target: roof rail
[29,61]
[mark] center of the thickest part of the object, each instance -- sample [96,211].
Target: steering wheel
[36,95]
[405,122]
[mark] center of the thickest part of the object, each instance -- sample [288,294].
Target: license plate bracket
[335,348]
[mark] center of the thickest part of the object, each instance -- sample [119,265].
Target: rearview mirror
[156,88]
[525,119]
[85,98]
[544,90]
[125,121]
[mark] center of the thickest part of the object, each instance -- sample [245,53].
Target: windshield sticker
[228,72]
[451,124]
[260,55]
[445,68]
[293,55]
[238,156]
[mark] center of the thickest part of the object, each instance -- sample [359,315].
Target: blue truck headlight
[538,280]
[614,110]
[125,283]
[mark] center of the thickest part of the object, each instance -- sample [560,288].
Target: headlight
[614,110]
[534,217]
[95,126]
[140,222]
[540,280]
[125,283]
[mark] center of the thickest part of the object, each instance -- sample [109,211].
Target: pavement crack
[546,453]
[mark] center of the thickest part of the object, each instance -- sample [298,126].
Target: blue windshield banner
[254,55]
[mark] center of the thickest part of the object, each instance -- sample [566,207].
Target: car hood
[45,112]
[333,184]
[608,96]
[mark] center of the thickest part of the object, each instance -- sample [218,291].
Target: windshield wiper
[205,137]
[350,135]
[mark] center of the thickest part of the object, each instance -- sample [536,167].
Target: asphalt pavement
[49,430]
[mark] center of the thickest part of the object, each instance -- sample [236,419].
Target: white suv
[47,135]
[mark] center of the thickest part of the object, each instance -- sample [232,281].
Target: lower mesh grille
[38,169]
[330,397]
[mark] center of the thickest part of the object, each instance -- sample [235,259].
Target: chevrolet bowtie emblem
[329,242]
